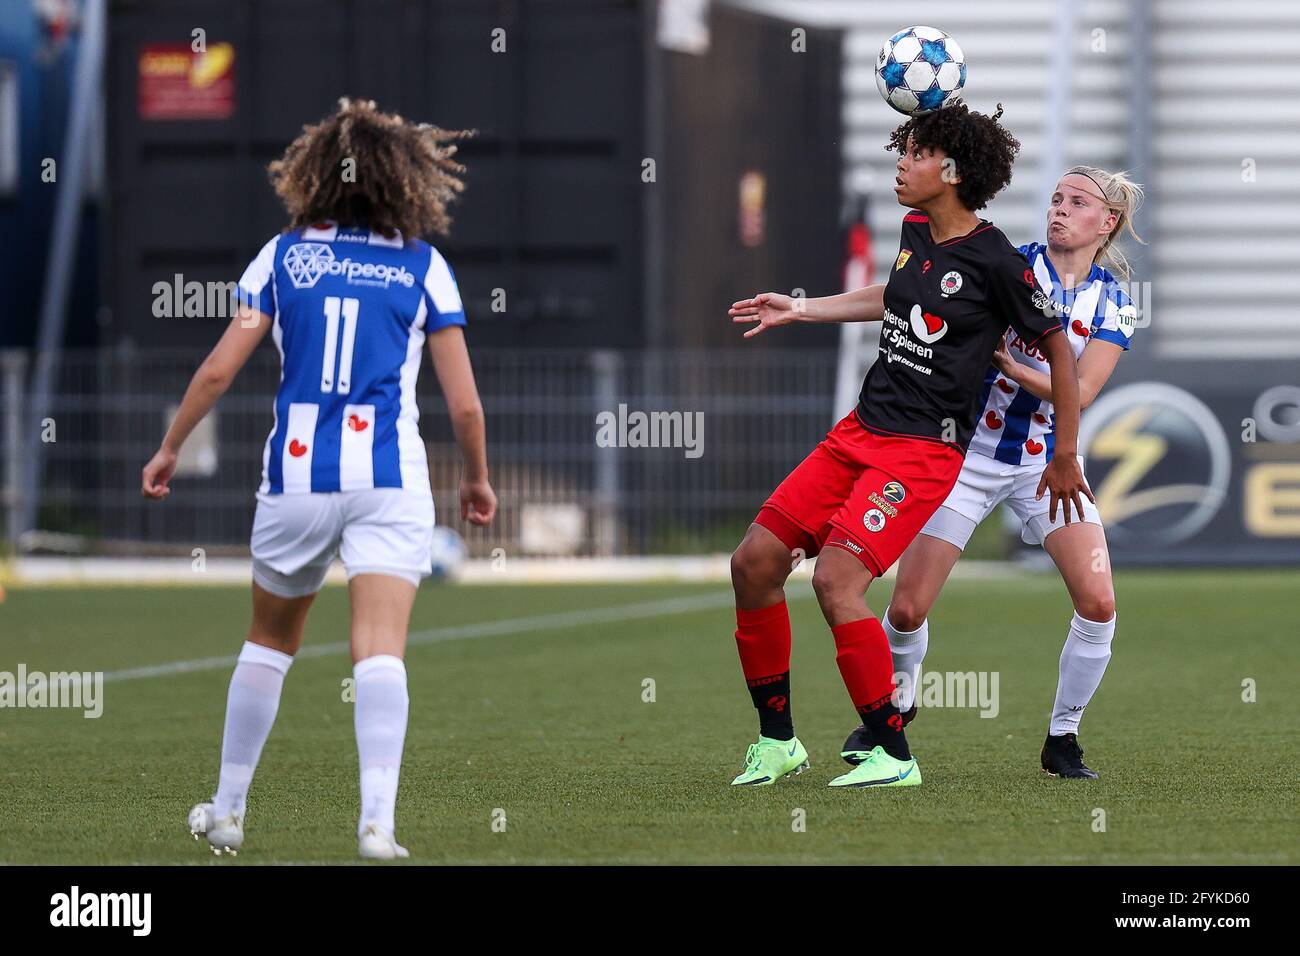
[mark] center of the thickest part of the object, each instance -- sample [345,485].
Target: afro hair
[982,149]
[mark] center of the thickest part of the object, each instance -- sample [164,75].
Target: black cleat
[860,742]
[1063,757]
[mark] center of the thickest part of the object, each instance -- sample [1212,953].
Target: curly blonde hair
[402,177]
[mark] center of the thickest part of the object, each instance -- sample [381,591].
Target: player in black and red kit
[869,487]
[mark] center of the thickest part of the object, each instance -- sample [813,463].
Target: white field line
[479,629]
[47,571]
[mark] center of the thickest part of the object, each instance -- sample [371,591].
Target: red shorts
[867,492]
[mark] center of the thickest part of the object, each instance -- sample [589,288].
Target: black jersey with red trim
[947,305]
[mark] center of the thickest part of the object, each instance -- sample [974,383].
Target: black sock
[886,726]
[771,696]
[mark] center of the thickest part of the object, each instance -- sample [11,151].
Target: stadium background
[593,287]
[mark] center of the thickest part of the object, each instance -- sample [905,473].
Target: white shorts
[374,530]
[985,483]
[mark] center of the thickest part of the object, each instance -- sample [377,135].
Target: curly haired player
[350,295]
[864,493]
[1014,441]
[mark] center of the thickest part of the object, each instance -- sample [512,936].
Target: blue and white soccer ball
[448,553]
[920,70]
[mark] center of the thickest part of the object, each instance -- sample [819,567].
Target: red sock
[866,664]
[763,639]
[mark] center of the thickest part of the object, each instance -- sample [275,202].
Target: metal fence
[568,466]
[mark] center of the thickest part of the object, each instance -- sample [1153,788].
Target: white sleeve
[255,286]
[440,286]
[1119,318]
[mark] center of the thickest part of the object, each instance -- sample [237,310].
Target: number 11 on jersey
[333,307]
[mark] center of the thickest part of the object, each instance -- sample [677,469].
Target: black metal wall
[763,101]
[553,212]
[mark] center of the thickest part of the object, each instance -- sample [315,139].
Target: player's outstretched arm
[770,309]
[209,383]
[1063,477]
[478,502]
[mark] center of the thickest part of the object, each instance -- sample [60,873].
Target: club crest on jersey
[926,327]
[874,520]
[950,283]
[903,256]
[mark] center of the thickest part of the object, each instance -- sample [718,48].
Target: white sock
[908,648]
[251,705]
[1083,661]
[381,709]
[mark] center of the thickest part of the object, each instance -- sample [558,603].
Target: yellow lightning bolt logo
[1136,453]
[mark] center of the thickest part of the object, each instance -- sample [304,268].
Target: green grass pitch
[545,721]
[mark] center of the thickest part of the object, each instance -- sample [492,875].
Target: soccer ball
[920,70]
[447,554]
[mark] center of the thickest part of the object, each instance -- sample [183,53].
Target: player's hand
[1064,479]
[768,309]
[1002,359]
[478,502]
[156,474]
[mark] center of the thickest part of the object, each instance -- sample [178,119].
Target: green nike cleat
[769,760]
[881,770]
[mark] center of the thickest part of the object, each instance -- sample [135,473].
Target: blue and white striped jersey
[351,310]
[1015,425]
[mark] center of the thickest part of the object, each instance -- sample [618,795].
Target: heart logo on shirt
[992,420]
[1080,329]
[357,424]
[1033,447]
[297,448]
[1040,419]
[1004,386]
[926,327]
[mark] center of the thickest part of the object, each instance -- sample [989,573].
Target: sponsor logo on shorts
[883,505]
[848,543]
[874,520]
[895,492]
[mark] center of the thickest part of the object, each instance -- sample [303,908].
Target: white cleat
[376,843]
[225,834]
[201,820]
